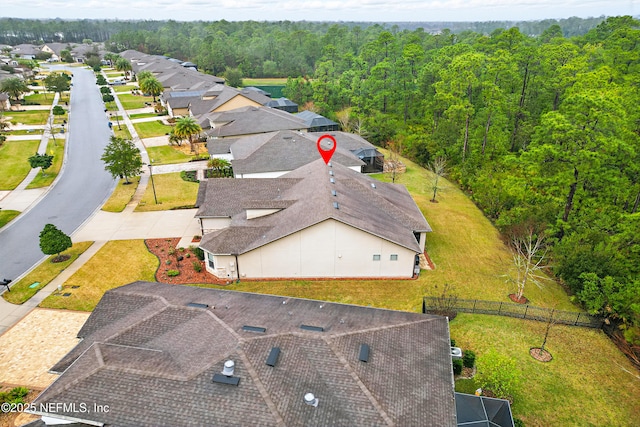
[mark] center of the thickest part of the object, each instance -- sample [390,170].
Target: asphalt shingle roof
[386,210]
[252,120]
[281,151]
[155,368]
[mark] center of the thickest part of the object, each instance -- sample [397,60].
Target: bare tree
[344,118]
[438,168]
[393,166]
[529,257]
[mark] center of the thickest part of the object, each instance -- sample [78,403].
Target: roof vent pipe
[228,368]
[311,400]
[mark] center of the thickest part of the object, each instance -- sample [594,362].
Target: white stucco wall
[328,249]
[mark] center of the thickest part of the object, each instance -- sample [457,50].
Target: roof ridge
[358,381]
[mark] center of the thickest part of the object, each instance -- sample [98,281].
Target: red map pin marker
[327,154]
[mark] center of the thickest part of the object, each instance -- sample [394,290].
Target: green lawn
[106,270]
[264,82]
[34,132]
[14,157]
[121,195]
[166,154]
[43,274]
[123,132]
[588,382]
[40,98]
[6,216]
[142,115]
[45,179]
[171,191]
[125,88]
[151,129]
[34,117]
[131,102]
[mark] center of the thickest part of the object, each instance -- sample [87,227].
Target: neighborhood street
[78,192]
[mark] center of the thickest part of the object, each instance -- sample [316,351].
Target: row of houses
[154,354]
[78,51]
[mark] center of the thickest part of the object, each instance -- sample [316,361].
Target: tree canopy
[122,158]
[57,82]
[54,241]
[14,87]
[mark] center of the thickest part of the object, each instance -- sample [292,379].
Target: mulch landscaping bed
[169,255]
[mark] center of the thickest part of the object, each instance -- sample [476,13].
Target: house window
[210,258]
[376,257]
[394,257]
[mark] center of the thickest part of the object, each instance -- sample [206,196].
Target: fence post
[577,318]
[500,308]
[526,308]
[473,310]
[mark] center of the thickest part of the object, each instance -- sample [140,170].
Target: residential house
[25,51]
[249,121]
[154,354]
[55,49]
[270,155]
[317,123]
[319,221]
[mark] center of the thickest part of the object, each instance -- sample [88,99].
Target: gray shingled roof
[386,211]
[151,358]
[314,120]
[252,120]
[281,151]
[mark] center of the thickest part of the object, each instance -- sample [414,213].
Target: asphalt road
[82,187]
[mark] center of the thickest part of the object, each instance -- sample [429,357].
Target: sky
[319,10]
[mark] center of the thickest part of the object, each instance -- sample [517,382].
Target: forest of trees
[541,127]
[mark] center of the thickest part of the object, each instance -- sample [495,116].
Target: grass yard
[151,129]
[40,98]
[34,132]
[43,274]
[44,180]
[123,132]
[172,192]
[142,115]
[33,117]
[125,88]
[121,195]
[264,81]
[105,270]
[6,216]
[166,154]
[131,102]
[588,382]
[14,157]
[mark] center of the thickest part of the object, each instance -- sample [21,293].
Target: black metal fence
[521,311]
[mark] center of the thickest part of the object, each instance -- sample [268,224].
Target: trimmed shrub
[517,422]
[197,266]
[173,273]
[453,343]
[468,359]
[198,252]
[457,366]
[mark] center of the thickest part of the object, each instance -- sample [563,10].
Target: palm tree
[14,86]
[152,86]
[123,64]
[219,166]
[186,128]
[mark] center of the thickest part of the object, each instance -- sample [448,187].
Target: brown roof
[282,151]
[252,120]
[381,209]
[151,358]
